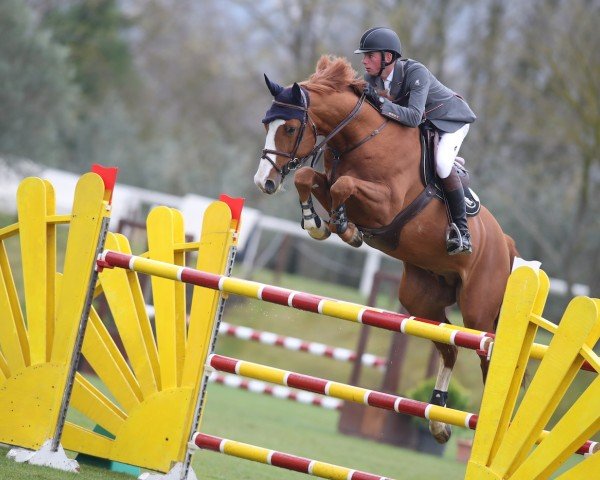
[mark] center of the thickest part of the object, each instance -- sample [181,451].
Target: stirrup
[457,244]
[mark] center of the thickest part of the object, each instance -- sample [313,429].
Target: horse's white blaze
[264,167]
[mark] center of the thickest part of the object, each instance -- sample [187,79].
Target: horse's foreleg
[340,191]
[345,229]
[308,181]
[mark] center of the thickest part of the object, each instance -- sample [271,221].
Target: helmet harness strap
[384,63]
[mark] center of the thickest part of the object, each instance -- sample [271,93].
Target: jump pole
[395,322]
[299,300]
[299,345]
[277,391]
[364,396]
[481,342]
[279,459]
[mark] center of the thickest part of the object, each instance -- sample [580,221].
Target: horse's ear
[297,94]
[274,88]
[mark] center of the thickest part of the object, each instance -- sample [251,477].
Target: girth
[388,237]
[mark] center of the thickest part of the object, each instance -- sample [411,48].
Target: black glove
[372,96]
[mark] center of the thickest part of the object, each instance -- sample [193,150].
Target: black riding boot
[458,239]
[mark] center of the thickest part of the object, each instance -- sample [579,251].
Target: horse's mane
[333,74]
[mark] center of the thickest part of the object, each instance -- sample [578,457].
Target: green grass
[281,425]
[10,470]
[301,430]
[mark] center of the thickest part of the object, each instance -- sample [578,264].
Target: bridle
[294,162]
[317,149]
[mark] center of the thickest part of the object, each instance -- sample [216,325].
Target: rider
[412,96]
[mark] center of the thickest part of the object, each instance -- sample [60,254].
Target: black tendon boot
[458,239]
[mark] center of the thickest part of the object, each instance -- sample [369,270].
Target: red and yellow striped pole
[397,322]
[280,459]
[342,391]
[358,395]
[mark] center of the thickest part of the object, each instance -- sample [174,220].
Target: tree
[555,134]
[94,32]
[38,95]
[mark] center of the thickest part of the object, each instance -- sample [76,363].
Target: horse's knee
[304,176]
[303,180]
[341,190]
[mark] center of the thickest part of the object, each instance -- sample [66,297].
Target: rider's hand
[372,96]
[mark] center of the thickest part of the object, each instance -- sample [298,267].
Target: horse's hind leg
[426,295]
[480,299]
[307,182]
[442,431]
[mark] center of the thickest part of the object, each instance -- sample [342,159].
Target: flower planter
[427,444]
[463,449]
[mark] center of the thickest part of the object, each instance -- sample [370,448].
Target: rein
[315,152]
[377,131]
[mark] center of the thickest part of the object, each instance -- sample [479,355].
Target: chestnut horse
[372,172]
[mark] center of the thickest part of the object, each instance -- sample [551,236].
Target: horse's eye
[290,130]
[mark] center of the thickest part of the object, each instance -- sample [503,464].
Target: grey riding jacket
[419,96]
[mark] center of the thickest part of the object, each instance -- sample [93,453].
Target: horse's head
[286,144]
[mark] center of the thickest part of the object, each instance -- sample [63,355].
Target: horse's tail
[512,248]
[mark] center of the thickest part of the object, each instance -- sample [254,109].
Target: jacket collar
[397,79]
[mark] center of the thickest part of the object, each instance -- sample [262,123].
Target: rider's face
[372,62]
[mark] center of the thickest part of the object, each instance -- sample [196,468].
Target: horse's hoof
[357,239]
[319,233]
[353,237]
[440,431]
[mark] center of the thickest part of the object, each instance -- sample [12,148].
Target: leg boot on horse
[458,239]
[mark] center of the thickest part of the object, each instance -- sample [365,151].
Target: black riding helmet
[380,39]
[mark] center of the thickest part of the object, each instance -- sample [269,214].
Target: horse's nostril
[270,186]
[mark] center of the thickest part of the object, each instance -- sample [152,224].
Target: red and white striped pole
[297,344]
[278,391]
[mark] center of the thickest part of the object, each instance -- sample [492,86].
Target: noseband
[296,162]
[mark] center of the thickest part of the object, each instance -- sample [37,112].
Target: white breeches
[447,150]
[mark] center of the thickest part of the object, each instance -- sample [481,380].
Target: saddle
[429,140]
[388,237]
